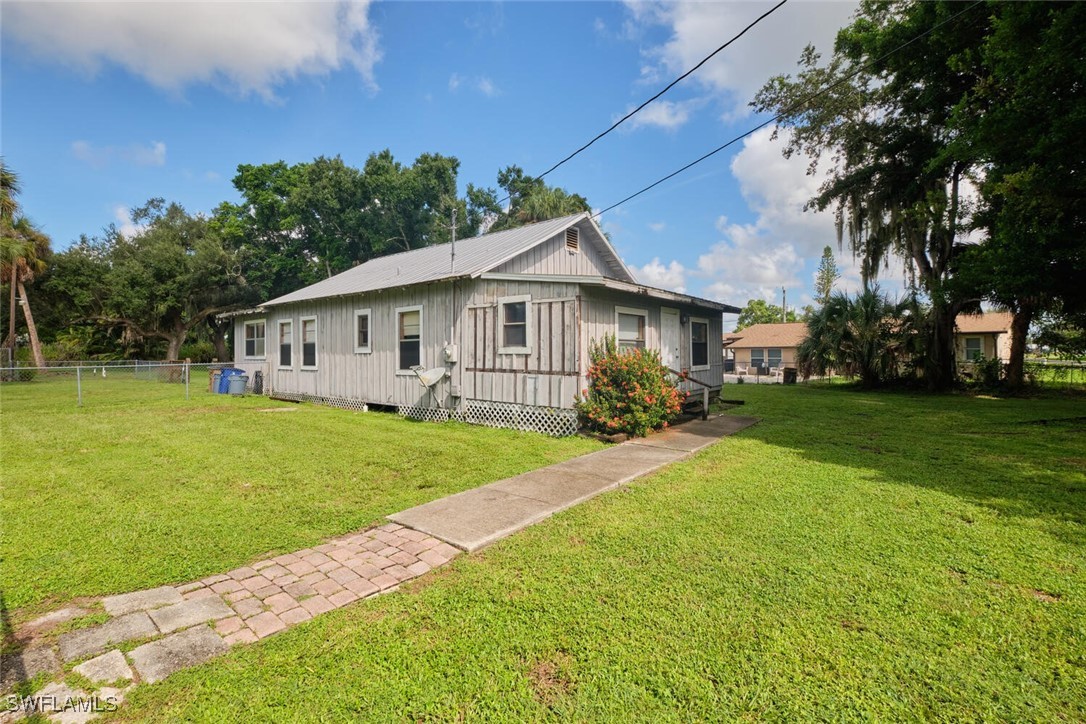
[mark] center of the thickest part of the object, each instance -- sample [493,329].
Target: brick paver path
[189,623]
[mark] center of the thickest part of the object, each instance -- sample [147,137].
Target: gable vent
[573,238]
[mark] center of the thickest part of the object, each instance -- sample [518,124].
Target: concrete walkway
[478,517]
[148,635]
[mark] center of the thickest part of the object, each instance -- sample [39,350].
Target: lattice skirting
[554,421]
[426,414]
[343,402]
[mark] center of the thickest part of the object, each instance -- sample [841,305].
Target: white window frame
[769,357]
[368,347]
[279,342]
[527,347]
[708,354]
[643,313]
[422,331]
[245,339]
[316,342]
[965,348]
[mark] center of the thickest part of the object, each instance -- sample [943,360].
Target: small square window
[631,325]
[699,344]
[973,348]
[409,336]
[309,343]
[362,330]
[286,343]
[254,339]
[515,322]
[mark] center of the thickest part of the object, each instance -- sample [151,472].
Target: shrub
[628,391]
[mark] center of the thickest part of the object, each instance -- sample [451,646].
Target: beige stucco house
[765,348]
[986,335]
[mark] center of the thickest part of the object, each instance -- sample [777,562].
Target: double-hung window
[514,320]
[254,339]
[409,338]
[774,356]
[699,344]
[973,349]
[757,358]
[362,330]
[309,343]
[631,324]
[286,343]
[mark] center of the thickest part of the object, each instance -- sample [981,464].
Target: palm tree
[24,250]
[549,202]
[867,336]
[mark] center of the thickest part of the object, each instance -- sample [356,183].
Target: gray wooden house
[508,317]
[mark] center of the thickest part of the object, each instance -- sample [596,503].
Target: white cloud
[734,75]
[755,260]
[481,84]
[668,115]
[243,47]
[125,225]
[151,154]
[657,226]
[656,274]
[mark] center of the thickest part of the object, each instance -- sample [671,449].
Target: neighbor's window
[362,330]
[513,313]
[286,341]
[254,339]
[775,357]
[699,343]
[973,349]
[309,342]
[757,358]
[631,327]
[410,338]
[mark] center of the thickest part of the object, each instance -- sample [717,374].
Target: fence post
[186,379]
[79,384]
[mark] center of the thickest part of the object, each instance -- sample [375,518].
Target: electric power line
[787,110]
[664,90]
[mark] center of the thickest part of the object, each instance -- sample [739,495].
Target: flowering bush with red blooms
[628,391]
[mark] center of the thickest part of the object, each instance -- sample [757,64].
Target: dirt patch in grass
[550,678]
[1043,595]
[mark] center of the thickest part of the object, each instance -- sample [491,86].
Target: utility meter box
[450,353]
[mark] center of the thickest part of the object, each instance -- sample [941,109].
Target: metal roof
[434,263]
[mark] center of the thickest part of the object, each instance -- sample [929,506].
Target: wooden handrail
[686,376]
[704,391]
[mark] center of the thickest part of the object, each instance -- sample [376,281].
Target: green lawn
[141,487]
[854,556]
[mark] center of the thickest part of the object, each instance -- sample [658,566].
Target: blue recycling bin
[224,379]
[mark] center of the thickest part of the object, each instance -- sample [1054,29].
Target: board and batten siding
[548,374]
[552,257]
[341,372]
[599,320]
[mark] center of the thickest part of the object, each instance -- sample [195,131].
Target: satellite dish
[429,378]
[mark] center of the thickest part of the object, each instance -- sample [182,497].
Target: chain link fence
[92,382]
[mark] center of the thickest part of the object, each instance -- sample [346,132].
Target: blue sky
[108,104]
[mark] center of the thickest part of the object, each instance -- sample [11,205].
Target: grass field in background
[140,487]
[853,556]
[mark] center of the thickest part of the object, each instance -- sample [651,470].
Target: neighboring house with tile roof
[986,335]
[508,317]
[765,346]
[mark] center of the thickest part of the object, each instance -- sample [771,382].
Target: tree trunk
[218,338]
[174,345]
[35,343]
[1016,366]
[939,362]
[9,341]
